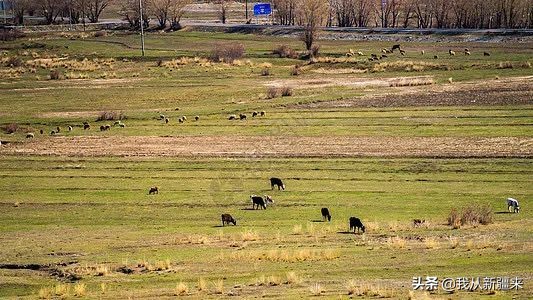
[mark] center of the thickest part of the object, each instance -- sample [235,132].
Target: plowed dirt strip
[286,146]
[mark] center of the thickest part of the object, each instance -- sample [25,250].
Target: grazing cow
[436,57]
[418,222]
[512,205]
[69,128]
[451,52]
[258,201]
[263,113]
[196,118]
[325,214]
[29,135]
[227,218]
[153,190]
[254,114]
[394,47]
[242,116]
[356,223]
[86,126]
[486,53]
[276,181]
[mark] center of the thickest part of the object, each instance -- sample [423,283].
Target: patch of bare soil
[276,146]
[355,82]
[511,91]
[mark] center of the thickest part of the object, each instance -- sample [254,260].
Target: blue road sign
[262,9]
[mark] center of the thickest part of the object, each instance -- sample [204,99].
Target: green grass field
[79,223]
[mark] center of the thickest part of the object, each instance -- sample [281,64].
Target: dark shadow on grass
[345,232]
[501,212]
[318,221]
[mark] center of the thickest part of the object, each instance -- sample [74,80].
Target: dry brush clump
[184,61]
[227,52]
[407,66]
[284,51]
[470,215]
[417,81]
[289,256]
[181,289]
[11,128]
[367,290]
[284,91]
[514,65]
[84,65]
[111,116]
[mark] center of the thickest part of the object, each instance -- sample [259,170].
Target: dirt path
[285,146]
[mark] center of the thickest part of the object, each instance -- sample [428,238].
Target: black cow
[276,181]
[153,190]
[227,218]
[394,47]
[356,223]
[325,214]
[258,201]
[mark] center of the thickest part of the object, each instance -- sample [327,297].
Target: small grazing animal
[486,53]
[452,53]
[167,120]
[512,205]
[276,182]
[356,223]
[29,135]
[263,113]
[227,218]
[153,190]
[436,57]
[254,114]
[258,201]
[232,117]
[41,131]
[196,118]
[467,52]
[422,52]
[86,126]
[402,52]
[242,116]
[325,214]
[394,47]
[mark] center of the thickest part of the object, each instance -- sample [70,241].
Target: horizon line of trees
[476,14]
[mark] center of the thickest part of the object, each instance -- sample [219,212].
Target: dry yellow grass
[219,286]
[45,293]
[80,289]
[397,242]
[249,235]
[293,278]
[182,289]
[431,243]
[202,285]
[316,289]
[278,255]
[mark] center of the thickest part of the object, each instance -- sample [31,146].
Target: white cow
[513,204]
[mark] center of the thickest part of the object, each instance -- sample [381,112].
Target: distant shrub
[265,72]
[111,116]
[296,70]
[470,215]
[272,92]
[227,52]
[286,91]
[11,35]
[315,50]
[56,75]
[284,51]
[14,62]
[100,33]
[11,128]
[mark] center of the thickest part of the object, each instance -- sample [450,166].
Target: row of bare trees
[166,12]
[414,13]
[51,10]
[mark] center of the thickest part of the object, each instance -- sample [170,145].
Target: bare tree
[130,11]
[311,13]
[50,9]
[95,8]
[169,10]
[223,6]
[285,11]
[176,12]
[19,8]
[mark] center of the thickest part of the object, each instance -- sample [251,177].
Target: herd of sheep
[385,51]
